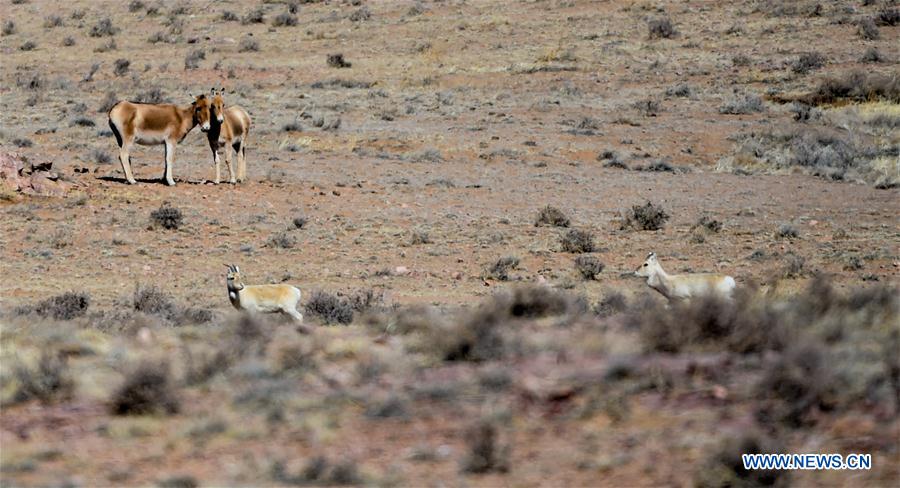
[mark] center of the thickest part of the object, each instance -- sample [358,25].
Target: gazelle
[230,127]
[262,298]
[685,285]
[150,124]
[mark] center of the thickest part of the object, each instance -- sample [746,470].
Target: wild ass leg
[170,160]
[215,150]
[241,162]
[125,159]
[228,165]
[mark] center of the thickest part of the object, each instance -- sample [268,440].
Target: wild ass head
[201,112]
[218,105]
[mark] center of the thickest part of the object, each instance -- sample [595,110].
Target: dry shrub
[147,390]
[48,382]
[335,308]
[577,241]
[857,86]
[103,28]
[661,28]
[66,306]
[551,216]
[807,62]
[500,269]
[797,384]
[167,217]
[644,217]
[724,467]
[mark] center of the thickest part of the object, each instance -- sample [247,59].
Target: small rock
[401,270]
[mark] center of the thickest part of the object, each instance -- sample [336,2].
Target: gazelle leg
[170,160]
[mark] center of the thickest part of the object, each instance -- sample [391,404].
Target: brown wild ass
[229,127]
[153,124]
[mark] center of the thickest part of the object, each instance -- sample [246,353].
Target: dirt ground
[458,122]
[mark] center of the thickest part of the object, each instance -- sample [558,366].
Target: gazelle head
[218,105]
[650,265]
[201,109]
[234,274]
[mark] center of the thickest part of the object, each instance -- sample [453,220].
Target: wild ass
[685,285]
[230,127]
[150,124]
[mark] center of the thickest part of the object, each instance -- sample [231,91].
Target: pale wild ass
[685,285]
[229,127]
[150,124]
[262,298]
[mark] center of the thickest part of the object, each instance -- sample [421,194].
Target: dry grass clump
[284,19]
[49,381]
[485,454]
[723,465]
[483,334]
[500,268]
[661,28]
[551,216]
[644,217]
[337,61]
[147,390]
[748,104]
[588,267]
[66,306]
[332,308]
[318,471]
[103,28]
[255,16]
[807,62]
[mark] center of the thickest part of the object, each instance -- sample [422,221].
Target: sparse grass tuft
[167,217]
[52,21]
[645,217]
[9,28]
[551,216]
[147,390]
[28,46]
[867,30]
[192,60]
[282,240]
[723,466]
[229,16]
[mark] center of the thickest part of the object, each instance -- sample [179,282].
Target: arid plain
[465,333]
